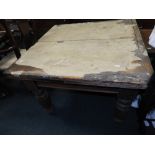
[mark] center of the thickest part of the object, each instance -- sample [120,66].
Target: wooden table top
[109,53]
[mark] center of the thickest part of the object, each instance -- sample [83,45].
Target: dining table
[104,56]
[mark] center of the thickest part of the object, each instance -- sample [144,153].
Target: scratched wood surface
[108,53]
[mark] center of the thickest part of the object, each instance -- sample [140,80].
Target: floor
[76,113]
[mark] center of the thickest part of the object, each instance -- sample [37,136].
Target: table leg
[124,100]
[41,95]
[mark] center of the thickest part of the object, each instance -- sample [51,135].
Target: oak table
[107,57]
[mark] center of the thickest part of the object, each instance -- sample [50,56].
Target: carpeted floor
[75,113]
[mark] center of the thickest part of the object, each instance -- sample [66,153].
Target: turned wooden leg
[41,95]
[124,100]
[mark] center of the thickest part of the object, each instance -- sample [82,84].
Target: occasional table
[107,57]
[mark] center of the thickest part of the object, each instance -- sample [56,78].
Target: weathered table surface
[110,54]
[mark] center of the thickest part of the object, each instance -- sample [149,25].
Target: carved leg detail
[123,104]
[41,95]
